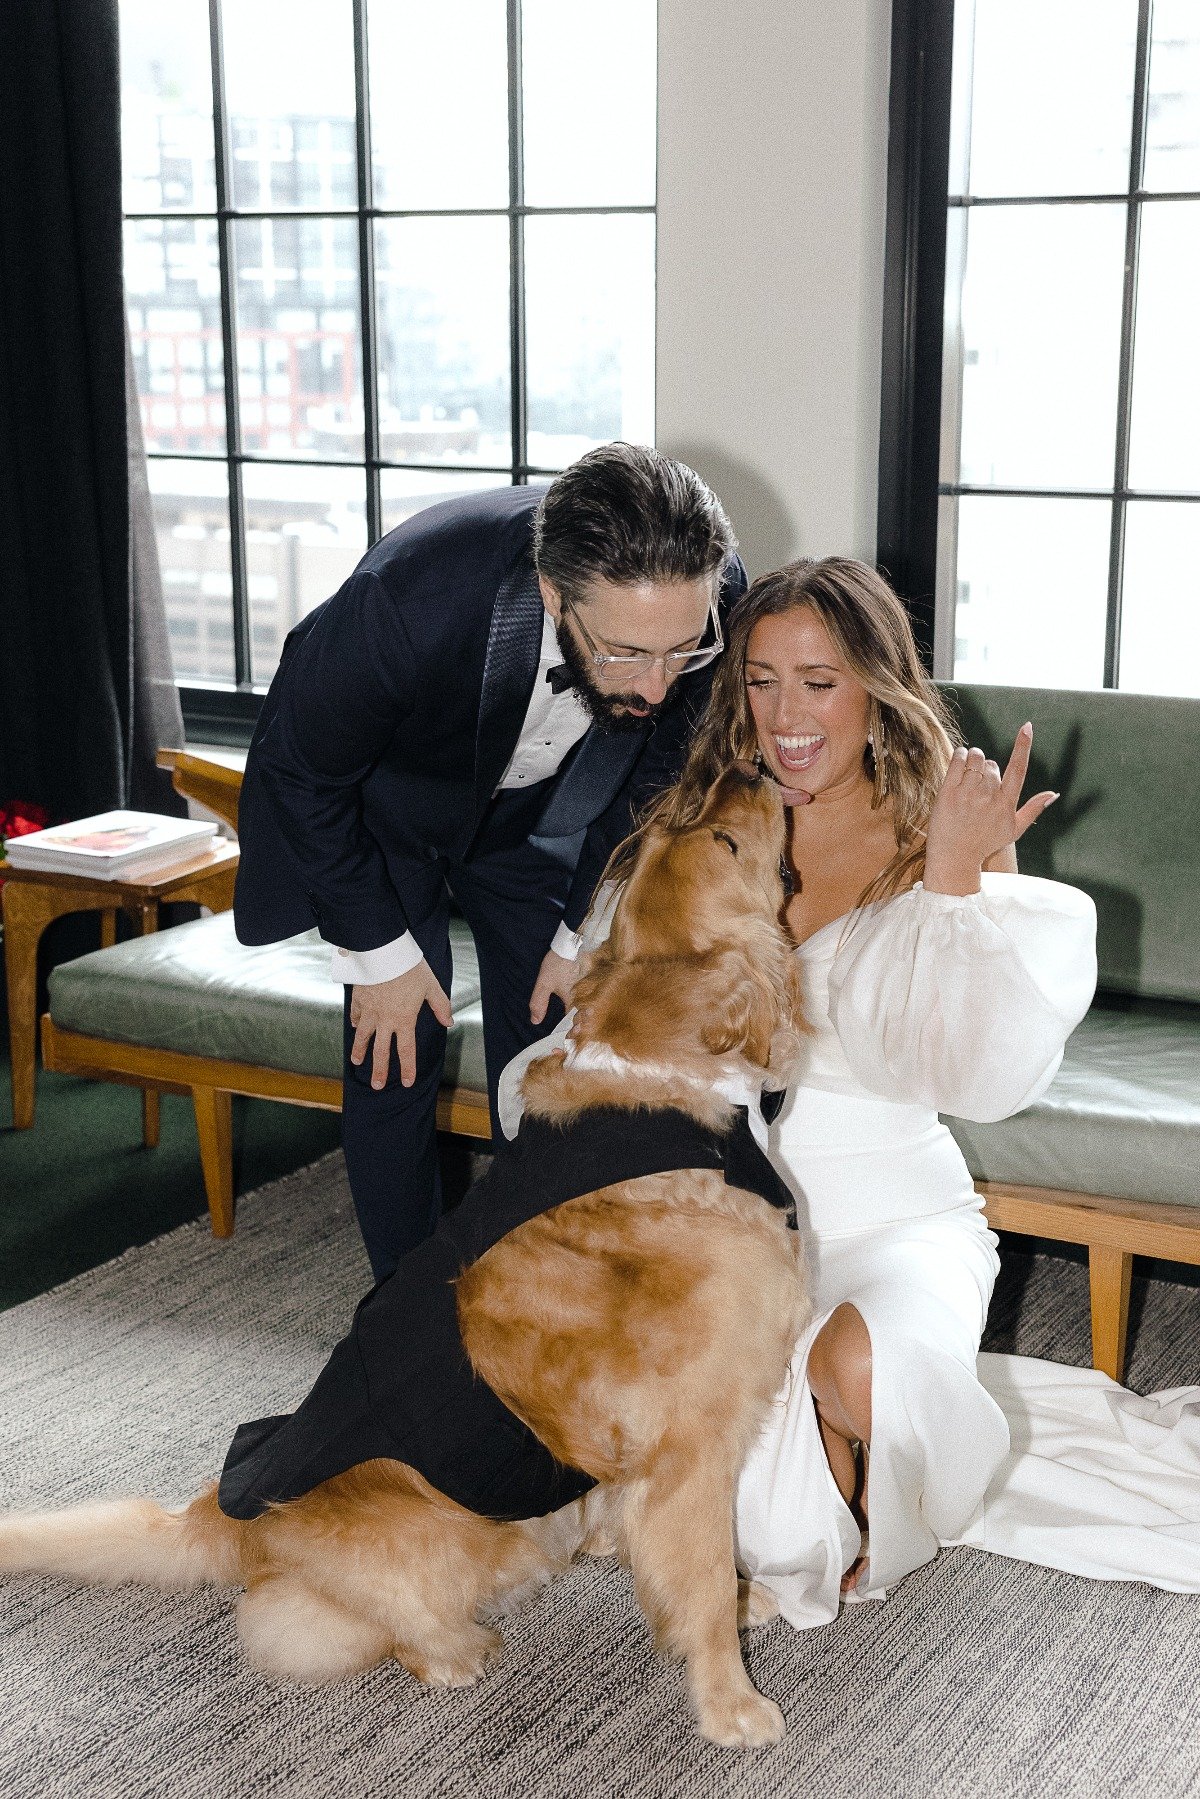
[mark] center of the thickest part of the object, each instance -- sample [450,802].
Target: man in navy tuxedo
[479,712]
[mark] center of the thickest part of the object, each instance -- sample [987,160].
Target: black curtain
[85,692]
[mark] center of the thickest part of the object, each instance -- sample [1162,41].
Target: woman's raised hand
[977,814]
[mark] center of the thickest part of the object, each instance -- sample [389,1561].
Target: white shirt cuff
[367,967]
[567,943]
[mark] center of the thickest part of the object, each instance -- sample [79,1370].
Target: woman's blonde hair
[912,731]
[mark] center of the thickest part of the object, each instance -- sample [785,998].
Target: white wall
[772,165]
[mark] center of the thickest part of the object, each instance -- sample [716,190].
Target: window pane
[589,102]
[1041,326]
[1173,118]
[1160,611]
[444,358]
[404,491]
[166,107]
[1032,591]
[590,332]
[298,323]
[191,521]
[289,87]
[1164,441]
[306,528]
[173,288]
[439,103]
[1051,96]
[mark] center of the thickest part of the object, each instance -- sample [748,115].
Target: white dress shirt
[553,724]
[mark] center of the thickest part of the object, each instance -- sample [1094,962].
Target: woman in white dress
[937,979]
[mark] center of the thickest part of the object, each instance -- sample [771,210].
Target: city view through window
[1069,521]
[377,254]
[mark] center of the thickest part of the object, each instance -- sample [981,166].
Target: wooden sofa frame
[212,1084]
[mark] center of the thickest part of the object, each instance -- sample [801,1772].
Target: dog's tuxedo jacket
[400,1384]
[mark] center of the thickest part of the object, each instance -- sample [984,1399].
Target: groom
[478,712]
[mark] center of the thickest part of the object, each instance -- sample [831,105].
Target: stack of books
[112,846]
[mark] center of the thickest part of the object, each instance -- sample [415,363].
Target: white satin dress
[933,1003]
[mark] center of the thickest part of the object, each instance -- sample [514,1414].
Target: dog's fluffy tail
[113,1540]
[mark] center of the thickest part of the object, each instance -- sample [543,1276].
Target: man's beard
[610,710]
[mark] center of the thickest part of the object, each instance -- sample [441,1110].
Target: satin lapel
[592,781]
[514,644]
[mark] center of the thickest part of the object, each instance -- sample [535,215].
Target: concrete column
[772,166]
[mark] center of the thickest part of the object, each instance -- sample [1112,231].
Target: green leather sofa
[191,1010]
[1109,1157]
[195,990]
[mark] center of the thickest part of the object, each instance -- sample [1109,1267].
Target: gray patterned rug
[979,1677]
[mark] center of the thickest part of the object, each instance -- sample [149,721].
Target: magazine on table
[112,846]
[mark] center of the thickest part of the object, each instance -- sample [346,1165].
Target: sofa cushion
[1127,828]
[197,990]
[1121,1118]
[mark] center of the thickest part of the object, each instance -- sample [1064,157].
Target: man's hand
[556,975]
[977,815]
[387,1011]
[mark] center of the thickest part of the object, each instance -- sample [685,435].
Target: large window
[378,253]
[1057,516]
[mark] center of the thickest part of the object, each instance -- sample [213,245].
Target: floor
[79,1188]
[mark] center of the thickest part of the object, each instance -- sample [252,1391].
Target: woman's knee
[840,1370]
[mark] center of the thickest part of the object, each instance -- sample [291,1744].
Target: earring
[879,758]
[758,760]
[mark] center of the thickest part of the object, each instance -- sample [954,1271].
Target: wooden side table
[32,899]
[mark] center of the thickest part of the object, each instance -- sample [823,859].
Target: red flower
[19,818]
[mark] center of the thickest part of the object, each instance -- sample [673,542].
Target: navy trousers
[512,894]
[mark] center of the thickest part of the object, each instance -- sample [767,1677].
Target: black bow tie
[560,678]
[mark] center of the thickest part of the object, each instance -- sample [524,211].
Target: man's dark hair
[624,513]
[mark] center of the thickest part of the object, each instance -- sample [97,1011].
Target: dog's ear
[739,1008]
[723,1003]
[640,1009]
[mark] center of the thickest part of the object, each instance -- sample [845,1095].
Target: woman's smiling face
[812,715]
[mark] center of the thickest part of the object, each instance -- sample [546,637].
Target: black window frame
[918,207]
[217,713]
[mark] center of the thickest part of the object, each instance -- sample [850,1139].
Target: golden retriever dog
[639,1331]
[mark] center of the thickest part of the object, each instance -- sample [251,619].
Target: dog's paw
[458,1663]
[756,1605]
[743,1720]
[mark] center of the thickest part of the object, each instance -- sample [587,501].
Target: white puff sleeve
[964,1004]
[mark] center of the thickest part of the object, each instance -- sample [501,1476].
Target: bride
[937,979]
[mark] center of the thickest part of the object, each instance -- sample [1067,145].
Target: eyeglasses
[621,671]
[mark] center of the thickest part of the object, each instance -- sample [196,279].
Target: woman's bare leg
[839,1378]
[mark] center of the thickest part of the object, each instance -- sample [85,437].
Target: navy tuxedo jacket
[392,716]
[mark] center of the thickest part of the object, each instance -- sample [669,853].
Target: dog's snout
[745,769]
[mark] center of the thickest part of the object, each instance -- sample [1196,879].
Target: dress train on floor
[1099,1481]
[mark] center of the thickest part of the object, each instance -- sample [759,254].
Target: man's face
[643,618]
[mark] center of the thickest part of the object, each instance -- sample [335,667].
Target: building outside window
[1063,538]
[378,254]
